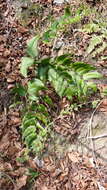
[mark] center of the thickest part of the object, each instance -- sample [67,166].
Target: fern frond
[33,131]
[100,49]
[92,75]
[28,131]
[72,83]
[95,40]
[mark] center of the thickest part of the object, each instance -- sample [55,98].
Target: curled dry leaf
[10,80]
[10,86]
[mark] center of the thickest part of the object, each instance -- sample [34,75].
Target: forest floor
[66,164]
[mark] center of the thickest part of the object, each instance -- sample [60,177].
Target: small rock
[40,163]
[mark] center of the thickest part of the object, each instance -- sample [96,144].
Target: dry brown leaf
[7,53]
[15,120]
[8,166]
[8,67]
[44,188]
[22,29]
[21,182]
[10,80]
[4,142]
[32,164]
[19,172]
[74,157]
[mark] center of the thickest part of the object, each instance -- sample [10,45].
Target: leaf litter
[73,171]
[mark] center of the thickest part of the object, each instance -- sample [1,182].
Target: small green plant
[73,80]
[61,24]
[97,43]
[32,175]
[35,128]
[69,79]
[104,92]
[95,103]
[24,157]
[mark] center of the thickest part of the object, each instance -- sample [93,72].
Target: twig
[90,131]
[6,175]
[98,137]
[5,116]
[91,119]
[54,44]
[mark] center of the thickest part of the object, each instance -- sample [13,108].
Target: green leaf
[30,138]
[91,27]
[43,72]
[92,85]
[37,145]
[28,131]
[71,91]
[67,12]
[65,59]
[42,117]
[54,26]
[92,75]
[103,57]
[74,20]
[82,68]
[32,47]
[100,49]
[52,74]
[48,100]
[95,40]
[33,174]
[28,123]
[61,57]
[19,90]
[46,36]
[60,85]
[34,87]
[25,64]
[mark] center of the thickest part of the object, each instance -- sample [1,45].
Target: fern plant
[67,78]
[97,42]
[34,130]
[63,22]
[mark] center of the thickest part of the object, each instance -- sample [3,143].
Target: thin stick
[90,131]
[98,137]
[6,175]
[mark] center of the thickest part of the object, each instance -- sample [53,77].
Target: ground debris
[71,172]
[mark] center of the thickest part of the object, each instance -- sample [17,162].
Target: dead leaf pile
[68,126]
[71,172]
